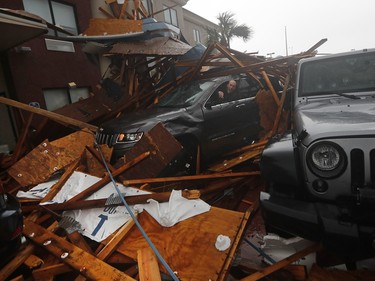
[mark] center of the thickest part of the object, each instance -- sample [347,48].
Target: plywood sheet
[189,246]
[113,26]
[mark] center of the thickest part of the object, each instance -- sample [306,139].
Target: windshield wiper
[350,96]
[354,97]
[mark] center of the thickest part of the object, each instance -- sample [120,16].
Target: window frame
[168,15]
[52,15]
[197,35]
[69,96]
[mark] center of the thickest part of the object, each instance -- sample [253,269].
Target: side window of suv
[247,88]
[217,98]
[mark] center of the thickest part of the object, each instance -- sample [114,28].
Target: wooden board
[48,158]
[112,26]
[189,246]
[163,147]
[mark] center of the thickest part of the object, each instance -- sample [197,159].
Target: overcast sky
[296,25]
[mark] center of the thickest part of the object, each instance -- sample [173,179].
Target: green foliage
[228,29]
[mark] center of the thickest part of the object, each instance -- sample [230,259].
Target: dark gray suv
[194,117]
[321,175]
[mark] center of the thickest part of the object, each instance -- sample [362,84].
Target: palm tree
[228,28]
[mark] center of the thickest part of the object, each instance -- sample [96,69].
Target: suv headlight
[326,159]
[129,137]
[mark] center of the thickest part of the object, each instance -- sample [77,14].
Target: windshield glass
[346,74]
[185,95]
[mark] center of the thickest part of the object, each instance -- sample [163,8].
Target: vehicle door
[230,124]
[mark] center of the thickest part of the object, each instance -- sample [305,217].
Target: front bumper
[345,231]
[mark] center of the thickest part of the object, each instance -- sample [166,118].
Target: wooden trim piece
[148,265]
[84,263]
[51,115]
[228,262]
[95,187]
[283,263]
[48,272]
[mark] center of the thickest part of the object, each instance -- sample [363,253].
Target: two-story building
[39,71]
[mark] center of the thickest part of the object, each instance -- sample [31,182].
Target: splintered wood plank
[10,267]
[51,115]
[84,263]
[33,262]
[112,26]
[164,146]
[116,240]
[283,263]
[148,265]
[48,272]
[189,246]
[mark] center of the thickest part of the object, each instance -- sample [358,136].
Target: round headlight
[326,159]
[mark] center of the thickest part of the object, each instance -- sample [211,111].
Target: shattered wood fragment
[148,265]
[57,186]
[154,140]
[226,267]
[191,178]
[94,163]
[33,262]
[280,264]
[112,26]
[102,182]
[98,203]
[16,262]
[253,154]
[51,115]
[268,112]
[79,260]
[49,272]
[117,238]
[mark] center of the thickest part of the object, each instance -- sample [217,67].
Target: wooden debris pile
[54,250]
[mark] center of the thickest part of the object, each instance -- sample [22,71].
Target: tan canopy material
[17,27]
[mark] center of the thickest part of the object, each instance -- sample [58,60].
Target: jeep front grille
[358,164]
[372,166]
[107,139]
[357,168]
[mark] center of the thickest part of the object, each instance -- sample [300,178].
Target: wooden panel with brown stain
[189,246]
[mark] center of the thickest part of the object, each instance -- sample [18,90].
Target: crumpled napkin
[176,209]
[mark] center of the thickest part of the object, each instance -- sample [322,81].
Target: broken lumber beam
[283,263]
[97,203]
[148,265]
[48,272]
[191,178]
[95,187]
[84,263]
[51,115]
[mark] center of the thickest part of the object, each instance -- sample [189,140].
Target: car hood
[339,117]
[144,120]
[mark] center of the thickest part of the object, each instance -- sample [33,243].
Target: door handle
[240,105]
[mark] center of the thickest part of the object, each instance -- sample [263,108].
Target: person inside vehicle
[227,93]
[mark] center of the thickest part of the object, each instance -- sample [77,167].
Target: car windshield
[185,95]
[338,75]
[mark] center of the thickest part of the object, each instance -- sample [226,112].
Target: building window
[57,98]
[197,37]
[170,15]
[59,14]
